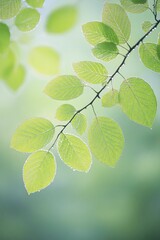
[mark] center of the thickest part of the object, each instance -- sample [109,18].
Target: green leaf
[27,19]
[62,19]
[9,8]
[79,123]
[138,101]
[32,135]
[139,1]
[105,51]
[39,171]
[130,6]
[110,99]
[149,56]
[146,26]
[97,32]
[65,112]
[115,16]
[74,152]
[16,77]
[45,60]
[7,63]
[64,87]
[158,51]
[5,37]
[106,140]
[35,3]
[158,5]
[91,72]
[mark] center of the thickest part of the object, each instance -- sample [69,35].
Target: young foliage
[65,112]
[5,37]
[146,26]
[9,8]
[35,3]
[137,6]
[79,123]
[110,99]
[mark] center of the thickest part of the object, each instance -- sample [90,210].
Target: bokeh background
[106,203]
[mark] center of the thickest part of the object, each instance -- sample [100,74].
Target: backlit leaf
[138,101]
[110,98]
[139,1]
[64,87]
[97,32]
[115,16]
[146,26]
[9,8]
[7,63]
[132,7]
[62,19]
[106,140]
[158,5]
[35,3]
[65,112]
[4,37]
[91,72]
[32,135]
[39,171]
[158,51]
[105,51]
[79,123]
[74,152]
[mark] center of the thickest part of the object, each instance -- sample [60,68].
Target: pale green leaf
[27,19]
[110,98]
[158,5]
[158,51]
[9,8]
[132,7]
[74,152]
[65,112]
[16,77]
[79,123]
[139,1]
[45,60]
[105,51]
[115,16]
[62,19]
[4,37]
[97,32]
[91,72]
[146,26]
[39,171]
[138,101]
[106,140]
[149,56]
[64,87]
[7,63]
[32,135]
[35,3]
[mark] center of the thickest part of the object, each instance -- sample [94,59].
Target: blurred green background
[119,203]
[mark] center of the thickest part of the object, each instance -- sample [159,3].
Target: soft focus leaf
[97,32]
[7,63]
[32,135]
[130,6]
[65,112]
[106,140]
[91,72]
[149,56]
[27,19]
[158,51]
[74,152]
[64,87]
[158,5]
[35,3]
[138,101]
[79,123]
[146,26]
[62,19]
[9,8]
[110,98]
[115,16]
[39,171]
[4,37]
[45,60]
[139,1]
[105,51]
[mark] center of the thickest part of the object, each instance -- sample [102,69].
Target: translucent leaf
[149,56]
[130,6]
[158,51]
[138,101]
[45,60]
[139,1]
[39,171]
[64,87]
[35,3]
[105,51]
[79,123]
[106,140]
[115,16]
[16,77]
[32,135]
[7,63]
[62,19]
[9,8]
[91,72]
[146,26]
[65,112]
[158,5]
[74,152]
[27,19]
[97,32]
[4,37]
[110,99]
